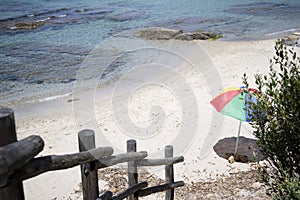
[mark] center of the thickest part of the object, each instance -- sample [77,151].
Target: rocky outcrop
[60,17]
[195,36]
[156,33]
[292,40]
[28,25]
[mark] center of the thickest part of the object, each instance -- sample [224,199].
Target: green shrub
[287,188]
[276,122]
[280,185]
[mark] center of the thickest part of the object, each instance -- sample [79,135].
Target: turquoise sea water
[41,63]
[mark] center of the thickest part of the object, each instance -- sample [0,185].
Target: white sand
[58,123]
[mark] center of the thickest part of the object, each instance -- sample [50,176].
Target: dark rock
[28,25]
[292,40]
[196,36]
[55,19]
[210,34]
[9,78]
[185,36]
[155,33]
[68,80]
[191,36]
[36,82]
[127,16]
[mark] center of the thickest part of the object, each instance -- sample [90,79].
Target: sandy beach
[164,106]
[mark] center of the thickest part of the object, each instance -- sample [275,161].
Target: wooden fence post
[132,169]
[89,175]
[169,172]
[8,135]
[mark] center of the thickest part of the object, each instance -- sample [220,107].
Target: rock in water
[210,34]
[155,33]
[292,40]
[196,36]
[28,25]
[127,16]
[190,36]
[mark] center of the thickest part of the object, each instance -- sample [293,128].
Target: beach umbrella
[235,102]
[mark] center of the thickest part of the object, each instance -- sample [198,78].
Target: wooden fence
[18,163]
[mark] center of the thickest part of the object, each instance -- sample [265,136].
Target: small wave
[50,98]
[284,31]
[43,20]
[54,97]
[43,13]
[61,16]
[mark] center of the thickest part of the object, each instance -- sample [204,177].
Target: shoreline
[57,123]
[66,92]
[263,36]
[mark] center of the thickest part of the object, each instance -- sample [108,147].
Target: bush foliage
[276,122]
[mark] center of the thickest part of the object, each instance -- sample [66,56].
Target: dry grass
[241,185]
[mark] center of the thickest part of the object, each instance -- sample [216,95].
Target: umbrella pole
[237,139]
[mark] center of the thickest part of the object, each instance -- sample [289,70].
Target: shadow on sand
[247,151]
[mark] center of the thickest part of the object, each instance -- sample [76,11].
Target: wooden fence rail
[18,163]
[136,189]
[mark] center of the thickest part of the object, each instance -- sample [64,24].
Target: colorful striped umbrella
[234,102]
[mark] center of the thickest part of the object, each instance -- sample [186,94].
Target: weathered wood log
[132,169]
[126,157]
[57,162]
[159,188]
[131,190]
[106,196]
[8,135]
[89,175]
[158,162]
[169,173]
[13,156]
